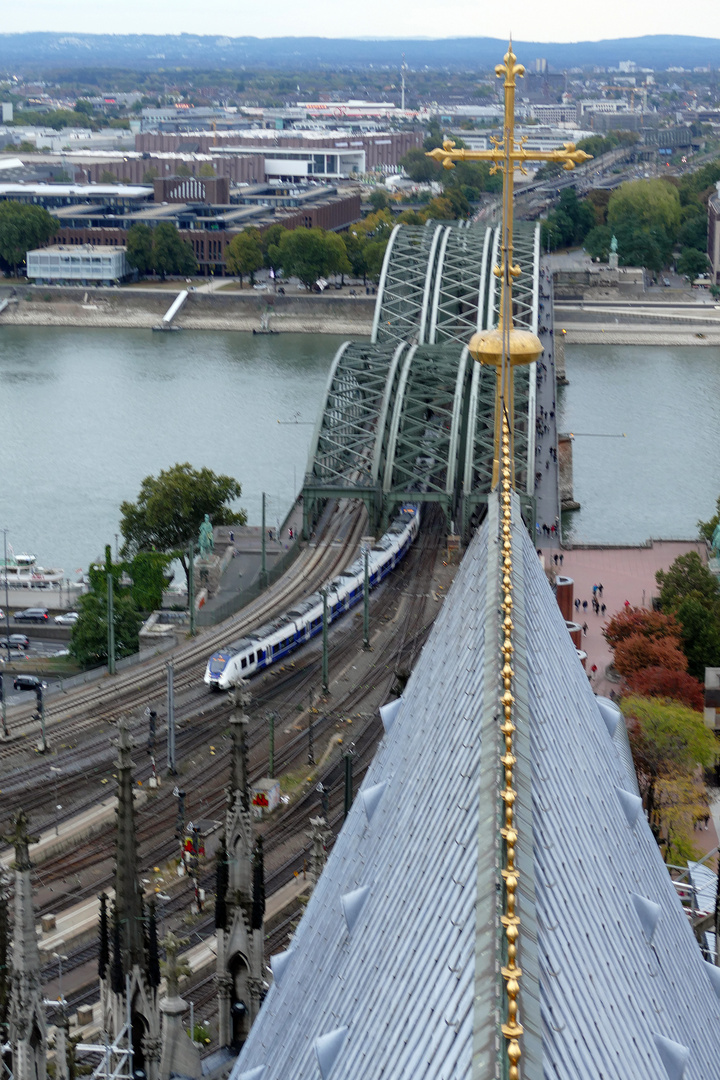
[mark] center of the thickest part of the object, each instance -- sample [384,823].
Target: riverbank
[658,323]
[144,308]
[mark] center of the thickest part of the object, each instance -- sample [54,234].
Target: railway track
[77,713]
[285,840]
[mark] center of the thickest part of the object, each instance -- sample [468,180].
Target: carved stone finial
[173,968]
[21,839]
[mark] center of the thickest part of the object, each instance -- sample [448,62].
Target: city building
[207,212]
[86,265]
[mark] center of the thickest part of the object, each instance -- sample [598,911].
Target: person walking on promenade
[577,603]
[585,629]
[561,558]
[603,609]
[600,588]
[584,605]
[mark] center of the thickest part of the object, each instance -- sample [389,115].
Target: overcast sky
[529,20]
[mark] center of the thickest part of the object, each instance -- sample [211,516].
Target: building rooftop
[394,969]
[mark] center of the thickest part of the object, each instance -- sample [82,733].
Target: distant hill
[37,51]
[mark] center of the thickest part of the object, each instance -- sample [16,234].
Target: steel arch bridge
[408,416]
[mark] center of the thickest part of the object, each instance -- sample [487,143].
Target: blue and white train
[276,639]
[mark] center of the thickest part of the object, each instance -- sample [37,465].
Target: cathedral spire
[240,903]
[27,1022]
[239,784]
[128,897]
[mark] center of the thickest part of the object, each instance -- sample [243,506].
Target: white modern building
[61,265]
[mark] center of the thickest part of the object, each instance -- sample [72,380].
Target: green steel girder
[402,419]
[406,281]
[459,293]
[425,442]
[342,451]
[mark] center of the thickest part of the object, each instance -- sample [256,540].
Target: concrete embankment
[144,308]
[638,324]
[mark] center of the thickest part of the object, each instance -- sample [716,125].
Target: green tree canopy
[271,240]
[379,199]
[692,263]
[170,253]
[22,228]
[171,507]
[304,255]
[244,254]
[337,261]
[140,247]
[666,738]
[645,217]
[687,576]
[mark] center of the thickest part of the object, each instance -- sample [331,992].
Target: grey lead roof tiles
[414,981]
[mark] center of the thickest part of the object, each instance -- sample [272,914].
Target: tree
[645,217]
[634,620]
[379,199]
[637,652]
[271,240]
[150,175]
[667,740]
[22,228]
[244,254]
[692,263]
[597,242]
[304,255]
[88,642]
[337,261]
[107,177]
[183,170]
[700,637]
[687,577]
[170,253]
[139,247]
[670,685]
[420,168]
[206,171]
[171,507]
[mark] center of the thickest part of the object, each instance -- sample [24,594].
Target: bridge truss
[409,416]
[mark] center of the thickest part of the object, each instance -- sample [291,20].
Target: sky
[528,20]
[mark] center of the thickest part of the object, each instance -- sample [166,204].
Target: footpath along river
[85,414]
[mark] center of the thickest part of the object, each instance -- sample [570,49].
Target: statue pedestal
[207,574]
[613,260]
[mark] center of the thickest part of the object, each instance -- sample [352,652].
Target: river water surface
[665,474]
[85,414]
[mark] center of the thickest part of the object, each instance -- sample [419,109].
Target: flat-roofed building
[61,265]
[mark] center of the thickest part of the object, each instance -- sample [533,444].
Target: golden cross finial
[506,347]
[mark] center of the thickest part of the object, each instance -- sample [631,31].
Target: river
[85,414]
[664,474]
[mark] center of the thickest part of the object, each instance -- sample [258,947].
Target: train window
[261,654]
[243,662]
[251,658]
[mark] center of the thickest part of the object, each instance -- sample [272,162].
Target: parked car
[15,641]
[32,614]
[69,618]
[26,682]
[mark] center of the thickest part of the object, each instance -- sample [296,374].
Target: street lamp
[60,957]
[56,770]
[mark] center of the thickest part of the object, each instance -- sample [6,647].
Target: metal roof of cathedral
[394,970]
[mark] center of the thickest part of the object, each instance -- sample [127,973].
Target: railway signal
[5,731]
[40,715]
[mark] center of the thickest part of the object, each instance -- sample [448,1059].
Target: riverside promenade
[626,573]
